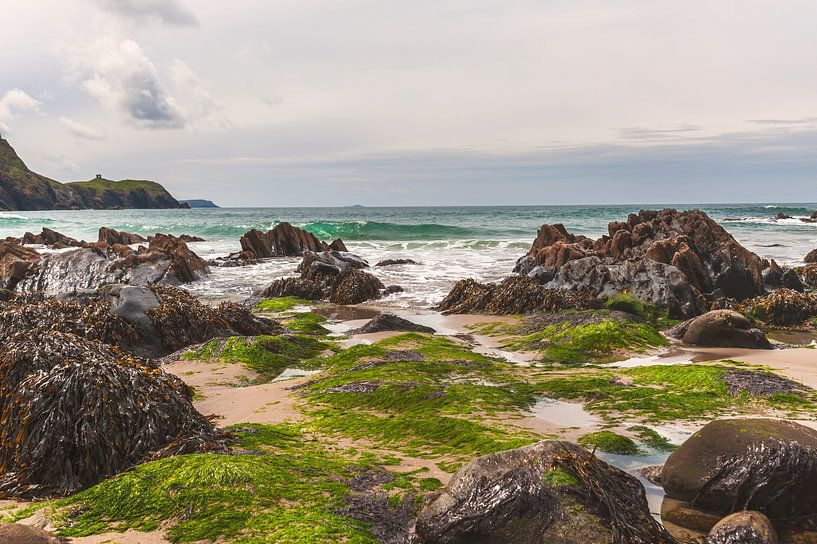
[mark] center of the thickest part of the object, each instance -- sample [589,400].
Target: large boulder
[336,259]
[720,328]
[284,240]
[76,411]
[745,527]
[768,465]
[166,260]
[659,284]
[547,492]
[708,256]
[811,258]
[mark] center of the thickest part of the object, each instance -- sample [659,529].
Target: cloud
[81,130]
[14,101]
[120,76]
[169,12]
[254,52]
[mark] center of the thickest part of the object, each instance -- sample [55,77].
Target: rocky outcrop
[16,262]
[720,328]
[166,260]
[659,284]
[743,528]
[513,295]
[548,492]
[285,240]
[709,259]
[811,258]
[22,189]
[391,322]
[50,238]
[782,307]
[332,276]
[112,237]
[767,465]
[773,276]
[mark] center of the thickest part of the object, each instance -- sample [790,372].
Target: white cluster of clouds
[170,12]
[14,102]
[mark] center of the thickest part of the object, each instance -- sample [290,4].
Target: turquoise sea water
[451,242]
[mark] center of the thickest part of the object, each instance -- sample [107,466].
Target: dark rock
[689,241]
[792,281]
[743,528]
[85,413]
[760,384]
[759,464]
[782,307]
[720,328]
[547,492]
[14,533]
[111,237]
[809,274]
[336,259]
[811,258]
[16,262]
[390,322]
[285,240]
[51,238]
[781,216]
[513,295]
[392,289]
[394,262]
[325,282]
[773,276]
[166,260]
[659,284]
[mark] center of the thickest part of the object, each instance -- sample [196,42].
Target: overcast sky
[386,102]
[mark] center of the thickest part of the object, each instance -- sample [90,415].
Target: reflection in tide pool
[564,414]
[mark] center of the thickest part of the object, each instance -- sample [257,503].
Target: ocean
[450,243]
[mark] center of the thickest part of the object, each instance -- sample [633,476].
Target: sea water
[450,243]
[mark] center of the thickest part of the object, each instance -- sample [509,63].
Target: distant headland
[199,203]
[22,189]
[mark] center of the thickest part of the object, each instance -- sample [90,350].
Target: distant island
[22,189]
[199,203]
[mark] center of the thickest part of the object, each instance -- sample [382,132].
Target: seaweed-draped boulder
[75,411]
[730,465]
[547,492]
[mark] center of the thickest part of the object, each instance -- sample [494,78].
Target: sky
[446,102]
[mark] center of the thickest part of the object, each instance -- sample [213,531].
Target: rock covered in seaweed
[547,492]
[720,328]
[757,464]
[75,411]
[332,276]
[391,322]
[782,307]
[151,321]
[688,241]
[513,295]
